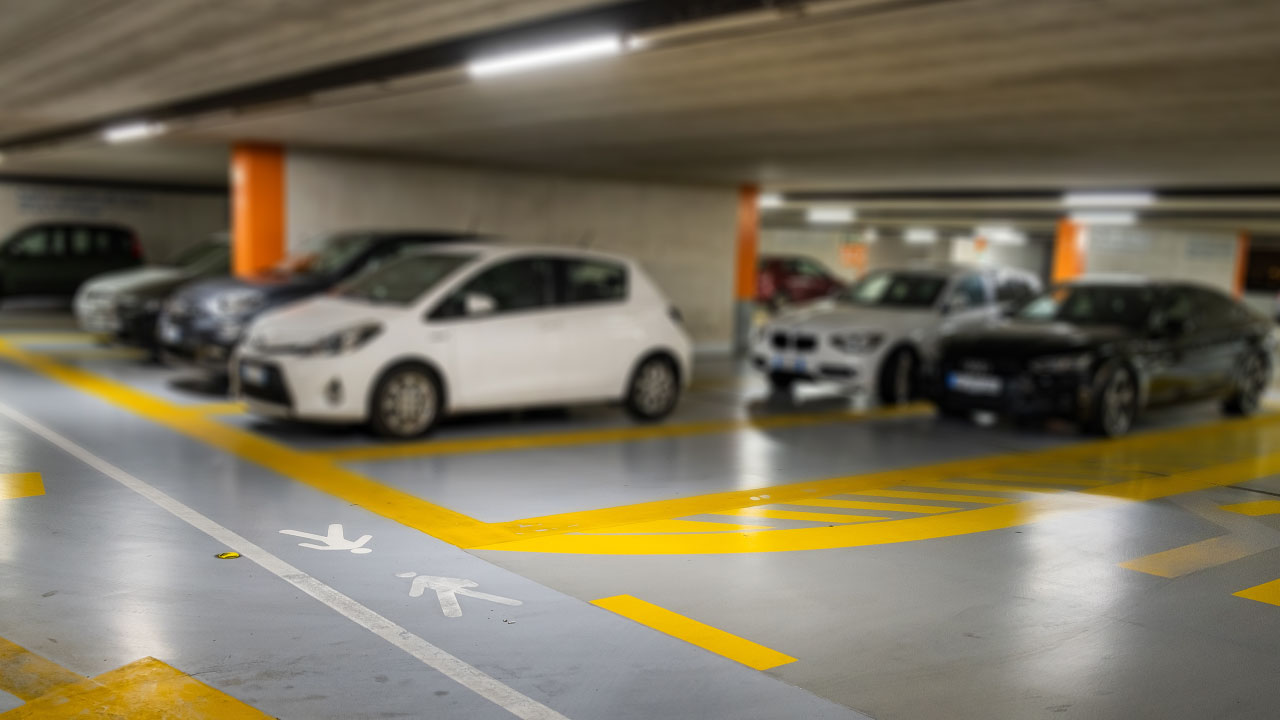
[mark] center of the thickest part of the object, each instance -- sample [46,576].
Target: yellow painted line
[1194,557]
[27,675]
[145,690]
[753,655]
[20,485]
[798,515]
[913,495]
[218,408]
[1255,508]
[865,505]
[634,433]
[91,353]
[677,526]
[45,338]
[986,487]
[1266,592]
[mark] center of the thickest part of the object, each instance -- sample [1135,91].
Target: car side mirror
[479,304]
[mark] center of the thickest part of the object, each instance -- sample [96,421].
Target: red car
[792,279]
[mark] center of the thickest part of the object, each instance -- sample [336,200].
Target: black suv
[54,258]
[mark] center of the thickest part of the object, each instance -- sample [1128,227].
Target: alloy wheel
[408,404]
[1118,403]
[655,387]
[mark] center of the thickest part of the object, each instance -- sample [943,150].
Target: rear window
[593,281]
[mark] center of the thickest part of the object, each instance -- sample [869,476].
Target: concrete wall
[1204,256]
[683,235]
[167,222]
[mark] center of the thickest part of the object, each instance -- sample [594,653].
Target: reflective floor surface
[751,557]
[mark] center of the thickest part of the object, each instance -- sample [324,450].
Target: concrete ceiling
[958,93]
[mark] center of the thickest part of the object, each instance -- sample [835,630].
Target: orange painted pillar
[746,271]
[1068,255]
[1242,262]
[257,207]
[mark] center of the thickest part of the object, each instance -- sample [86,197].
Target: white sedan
[468,327]
[879,333]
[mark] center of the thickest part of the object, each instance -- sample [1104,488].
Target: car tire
[1115,403]
[654,389]
[898,381]
[406,402]
[1251,384]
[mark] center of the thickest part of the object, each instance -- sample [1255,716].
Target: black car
[1098,351]
[137,306]
[54,258]
[203,322]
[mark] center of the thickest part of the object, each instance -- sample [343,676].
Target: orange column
[257,207]
[748,243]
[1242,262]
[1068,256]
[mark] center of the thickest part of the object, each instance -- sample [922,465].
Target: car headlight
[859,342]
[1076,362]
[344,341]
[236,303]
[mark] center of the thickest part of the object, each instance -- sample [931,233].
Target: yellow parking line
[27,675]
[959,484]
[753,655]
[538,441]
[798,515]
[20,485]
[676,526]
[46,338]
[913,495]
[1194,557]
[1266,593]
[216,408]
[864,505]
[1256,508]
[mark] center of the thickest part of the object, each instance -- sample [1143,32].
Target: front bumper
[321,389]
[1022,394]
[816,363]
[97,316]
[138,328]
[197,341]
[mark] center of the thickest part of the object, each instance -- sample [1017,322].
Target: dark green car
[54,258]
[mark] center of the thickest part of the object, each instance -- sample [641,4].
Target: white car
[878,334]
[462,327]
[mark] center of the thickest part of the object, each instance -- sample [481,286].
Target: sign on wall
[78,203]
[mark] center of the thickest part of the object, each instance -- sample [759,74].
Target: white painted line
[482,684]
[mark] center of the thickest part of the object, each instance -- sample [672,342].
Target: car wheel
[1116,404]
[406,402]
[654,389]
[1252,377]
[899,377]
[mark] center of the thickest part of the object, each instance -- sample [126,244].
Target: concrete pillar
[257,207]
[747,273]
[1068,252]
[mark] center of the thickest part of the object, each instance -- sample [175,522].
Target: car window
[58,242]
[1094,305]
[1214,310]
[337,253]
[82,242]
[897,289]
[33,243]
[970,291]
[514,285]
[1014,290]
[809,267]
[402,281]
[589,281]
[121,243]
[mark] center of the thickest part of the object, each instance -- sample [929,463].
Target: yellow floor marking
[966,484]
[913,495]
[537,441]
[44,338]
[798,515]
[144,690]
[1190,558]
[89,353]
[753,655]
[1266,592]
[677,526]
[1041,479]
[1255,508]
[20,485]
[217,408]
[27,675]
[865,505]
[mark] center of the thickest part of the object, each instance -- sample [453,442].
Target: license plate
[170,334]
[253,374]
[975,383]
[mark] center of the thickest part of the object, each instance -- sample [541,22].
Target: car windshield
[200,255]
[404,280]
[1128,305]
[336,254]
[895,289]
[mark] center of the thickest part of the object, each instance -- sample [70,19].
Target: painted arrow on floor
[335,540]
[448,589]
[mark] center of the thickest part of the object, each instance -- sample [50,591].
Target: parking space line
[1266,593]
[676,526]
[868,505]
[799,515]
[20,485]
[1255,508]
[540,441]
[965,484]
[1197,556]
[27,675]
[916,495]
[751,654]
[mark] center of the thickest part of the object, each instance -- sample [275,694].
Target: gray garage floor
[899,566]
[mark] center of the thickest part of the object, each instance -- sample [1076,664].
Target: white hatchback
[879,334]
[466,327]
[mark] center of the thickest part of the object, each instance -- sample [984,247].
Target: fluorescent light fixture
[637,42]
[830,215]
[769,200]
[1108,200]
[1111,217]
[585,49]
[132,132]
[1001,234]
[920,236]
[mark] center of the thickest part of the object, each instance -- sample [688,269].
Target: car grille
[800,342]
[273,390]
